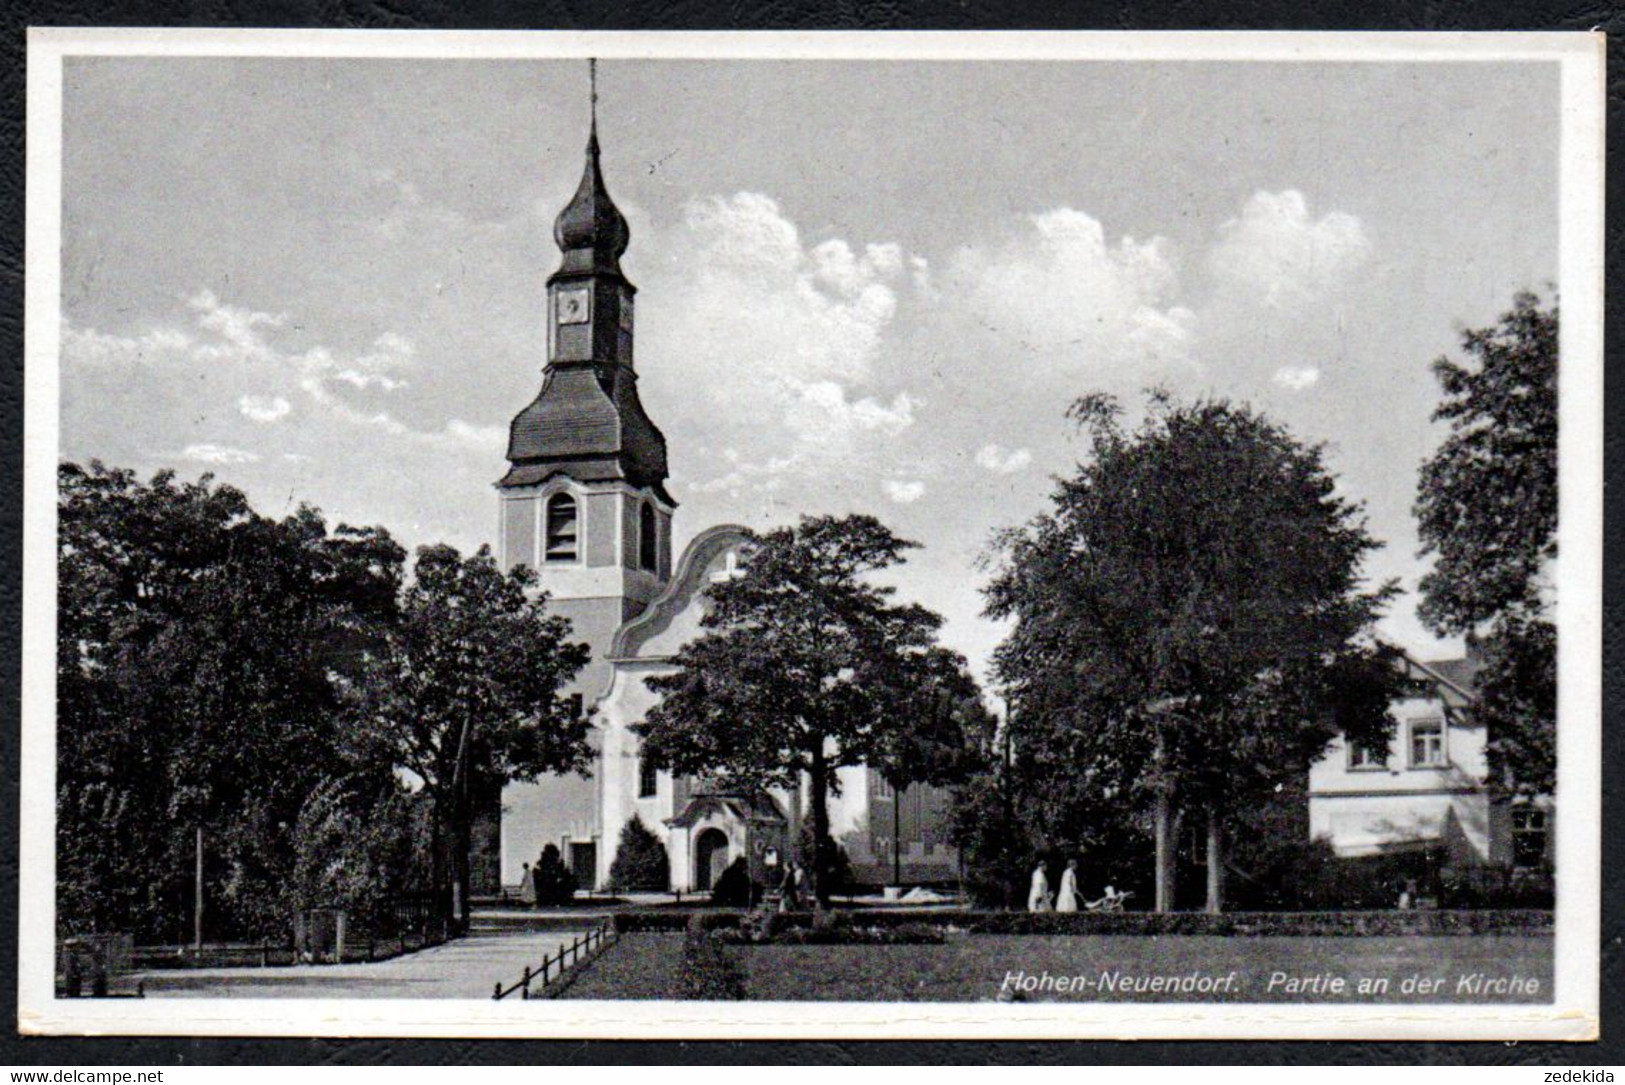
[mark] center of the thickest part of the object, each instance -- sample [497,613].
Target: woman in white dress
[1067,899]
[1038,896]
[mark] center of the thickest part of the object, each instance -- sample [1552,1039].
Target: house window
[1427,744]
[1528,837]
[561,528]
[883,790]
[646,537]
[1363,756]
[648,777]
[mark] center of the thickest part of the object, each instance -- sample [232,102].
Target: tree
[805,666]
[1487,508]
[640,861]
[466,693]
[555,884]
[1191,627]
[204,659]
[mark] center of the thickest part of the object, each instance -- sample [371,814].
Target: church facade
[584,503]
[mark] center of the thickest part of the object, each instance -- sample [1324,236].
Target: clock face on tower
[571,306]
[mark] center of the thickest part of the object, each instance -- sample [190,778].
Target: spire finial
[592,84]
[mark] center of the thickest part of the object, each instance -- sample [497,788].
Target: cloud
[88,347]
[904,493]
[997,460]
[1296,377]
[781,337]
[1059,288]
[263,408]
[1276,252]
[820,411]
[228,346]
[210,453]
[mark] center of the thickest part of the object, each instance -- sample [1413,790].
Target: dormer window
[562,521]
[647,537]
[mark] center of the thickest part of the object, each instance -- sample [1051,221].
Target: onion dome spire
[591,231]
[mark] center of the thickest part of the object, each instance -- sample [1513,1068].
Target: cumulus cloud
[1061,288]
[1296,377]
[782,337]
[996,459]
[904,492]
[230,345]
[1276,251]
[263,408]
[212,453]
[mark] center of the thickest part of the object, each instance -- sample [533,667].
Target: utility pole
[1009,803]
[459,822]
[197,893]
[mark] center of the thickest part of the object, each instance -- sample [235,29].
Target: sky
[863,286]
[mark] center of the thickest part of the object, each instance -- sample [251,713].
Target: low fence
[319,936]
[554,968]
[96,966]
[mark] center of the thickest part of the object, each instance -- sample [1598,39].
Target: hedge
[1302,924]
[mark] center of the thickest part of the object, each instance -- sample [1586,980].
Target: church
[584,503]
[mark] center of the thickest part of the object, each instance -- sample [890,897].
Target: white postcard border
[1572,1016]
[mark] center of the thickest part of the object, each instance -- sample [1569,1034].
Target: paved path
[462,968]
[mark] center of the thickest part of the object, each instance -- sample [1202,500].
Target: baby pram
[1111,902]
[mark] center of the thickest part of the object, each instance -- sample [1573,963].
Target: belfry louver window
[646,538]
[561,528]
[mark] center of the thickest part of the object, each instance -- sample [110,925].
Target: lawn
[968,968]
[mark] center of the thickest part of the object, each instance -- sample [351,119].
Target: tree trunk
[1165,851]
[462,840]
[820,814]
[896,836]
[1164,828]
[1215,861]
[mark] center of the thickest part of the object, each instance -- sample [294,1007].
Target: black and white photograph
[824,535]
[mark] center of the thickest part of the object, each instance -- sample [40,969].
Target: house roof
[1461,673]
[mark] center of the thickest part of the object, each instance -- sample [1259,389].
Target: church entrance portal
[710,858]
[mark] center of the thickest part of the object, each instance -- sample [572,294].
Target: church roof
[591,231]
[685,586]
[588,422]
[756,807]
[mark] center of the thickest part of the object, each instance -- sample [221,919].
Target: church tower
[584,504]
[584,500]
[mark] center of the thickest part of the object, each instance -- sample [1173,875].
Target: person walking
[1038,895]
[1067,899]
[527,885]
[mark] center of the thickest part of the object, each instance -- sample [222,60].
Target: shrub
[555,884]
[672,921]
[706,972]
[734,889]
[640,861]
[352,852]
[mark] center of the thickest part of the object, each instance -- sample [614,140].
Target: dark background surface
[1454,15]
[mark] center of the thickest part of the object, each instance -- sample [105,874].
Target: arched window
[561,528]
[648,777]
[646,537]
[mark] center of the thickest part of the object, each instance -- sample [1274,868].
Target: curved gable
[673,617]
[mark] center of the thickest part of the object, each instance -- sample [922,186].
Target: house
[1426,790]
[584,502]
